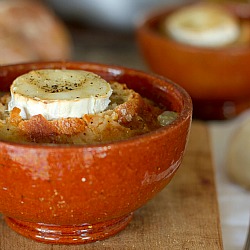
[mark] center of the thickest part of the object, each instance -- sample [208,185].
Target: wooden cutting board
[183,216]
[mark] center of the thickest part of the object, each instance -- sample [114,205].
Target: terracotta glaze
[66,194]
[217,79]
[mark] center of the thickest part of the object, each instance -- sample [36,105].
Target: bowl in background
[79,194]
[217,79]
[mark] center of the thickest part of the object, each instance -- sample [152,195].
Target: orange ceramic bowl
[78,194]
[217,79]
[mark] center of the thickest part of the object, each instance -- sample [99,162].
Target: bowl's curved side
[87,186]
[66,185]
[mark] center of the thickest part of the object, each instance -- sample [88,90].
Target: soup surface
[128,114]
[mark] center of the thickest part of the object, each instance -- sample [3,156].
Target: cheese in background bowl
[204,25]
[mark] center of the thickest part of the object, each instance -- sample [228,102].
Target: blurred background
[33,30]
[119,15]
[76,29]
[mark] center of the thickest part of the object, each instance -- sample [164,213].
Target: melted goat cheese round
[204,25]
[56,93]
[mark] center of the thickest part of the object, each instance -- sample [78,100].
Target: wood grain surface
[182,216]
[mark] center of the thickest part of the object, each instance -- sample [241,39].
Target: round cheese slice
[205,25]
[56,93]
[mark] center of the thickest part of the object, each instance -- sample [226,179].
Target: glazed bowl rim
[184,114]
[144,24]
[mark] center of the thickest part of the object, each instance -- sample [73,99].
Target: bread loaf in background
[30,31]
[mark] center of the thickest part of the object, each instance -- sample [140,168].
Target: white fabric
[234,201]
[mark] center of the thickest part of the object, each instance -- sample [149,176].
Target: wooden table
[183,216]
